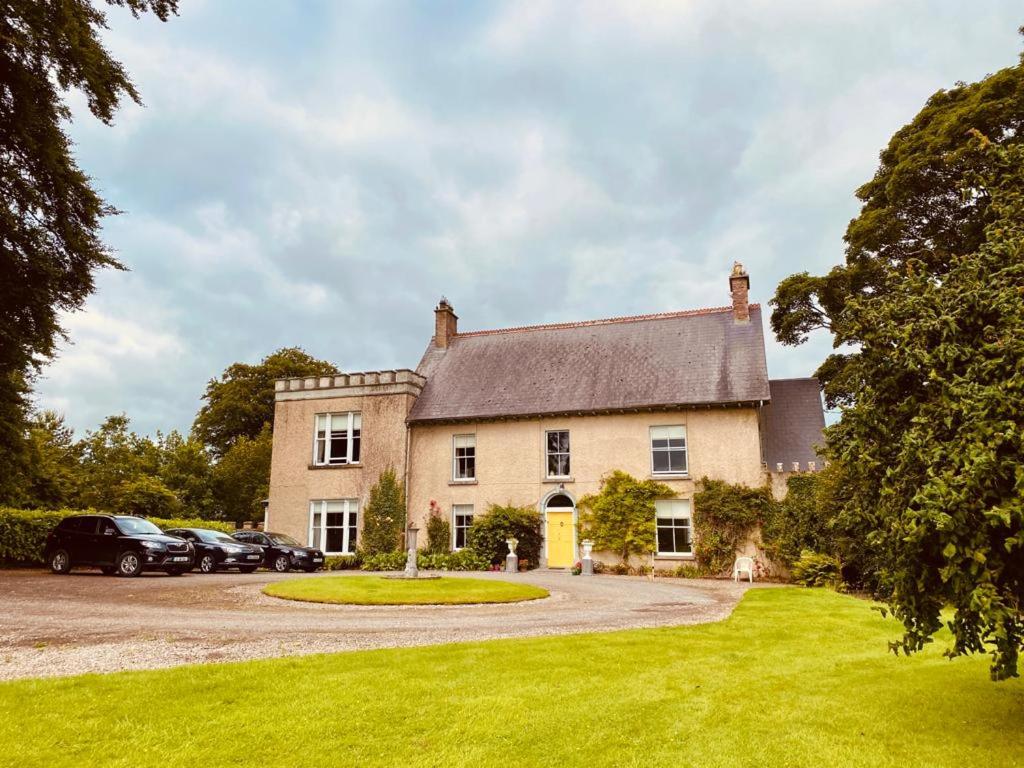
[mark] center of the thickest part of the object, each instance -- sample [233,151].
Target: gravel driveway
[86,622]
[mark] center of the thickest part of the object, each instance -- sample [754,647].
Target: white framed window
[557,449]
[668,450]
[675,529]
[464,457]
[336,438]
[462,518]
[333,524]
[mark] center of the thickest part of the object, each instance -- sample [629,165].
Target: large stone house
[536,415]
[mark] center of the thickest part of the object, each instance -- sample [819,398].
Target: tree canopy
[50,244]
[241,402]
[931,302]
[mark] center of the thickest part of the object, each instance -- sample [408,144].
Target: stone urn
[511,559]
[587,562]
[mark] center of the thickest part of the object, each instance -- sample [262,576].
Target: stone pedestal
[587,562]
[512,559]
[411,571]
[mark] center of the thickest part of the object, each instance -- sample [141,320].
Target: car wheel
[60,562]
[207,564]
[129,564]
[108,570]
[248,568]
[282,564]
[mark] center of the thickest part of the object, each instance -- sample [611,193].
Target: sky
[319,174]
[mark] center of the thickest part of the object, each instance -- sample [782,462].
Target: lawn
[378,590]
[793,678]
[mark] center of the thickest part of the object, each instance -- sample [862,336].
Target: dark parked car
[281,552]
[117,544]
[216,550]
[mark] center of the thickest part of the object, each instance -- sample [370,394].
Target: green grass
[378,590]
[793,678]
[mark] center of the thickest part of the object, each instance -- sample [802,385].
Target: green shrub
[724,516]
[342,562]
[384,516]
[439,532]
[23,532]
[384,561]
[621,517]
[803,520]
[813,569]
[489,531]
[688,571]
[464,560]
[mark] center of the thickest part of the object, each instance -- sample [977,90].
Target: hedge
[463,560]
[23,532]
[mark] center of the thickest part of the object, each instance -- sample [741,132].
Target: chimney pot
[739,287]
[446,324]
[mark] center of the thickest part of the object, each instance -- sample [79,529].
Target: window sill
[558,480]
[675,557]
[462,482]
[353,465]
[670,475]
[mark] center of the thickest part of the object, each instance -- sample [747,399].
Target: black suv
[216,550]
[281,552]
[117,544]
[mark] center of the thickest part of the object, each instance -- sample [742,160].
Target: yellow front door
[559,536]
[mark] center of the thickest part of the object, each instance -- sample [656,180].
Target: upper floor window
[462,519]
[668,450]
[337,438]
[464,457]
[674,527]
[558,453]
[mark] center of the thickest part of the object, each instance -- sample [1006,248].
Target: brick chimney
[446,323]
[739,287]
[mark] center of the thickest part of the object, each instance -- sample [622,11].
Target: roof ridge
[602,321]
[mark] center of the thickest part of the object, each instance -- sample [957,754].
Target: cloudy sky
[320,173]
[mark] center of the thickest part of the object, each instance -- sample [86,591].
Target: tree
[50,221]
[621,517]
[241,402]
[186,469]
[924,205]
[112,456]
[49,479]
[930,438]
[384,516]
[241,479]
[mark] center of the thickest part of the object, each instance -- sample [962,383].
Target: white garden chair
[743,565]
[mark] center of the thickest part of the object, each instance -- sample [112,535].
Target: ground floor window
[462,518]
[674,527]
[333,525]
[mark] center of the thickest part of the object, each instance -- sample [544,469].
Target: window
[558,453]
[464,457]
[674,527]
[337,439]
[668,450]
[462,518]
[332,525]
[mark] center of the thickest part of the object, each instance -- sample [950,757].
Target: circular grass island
[380,590]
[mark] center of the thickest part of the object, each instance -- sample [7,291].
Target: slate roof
[792,424]
[692,358]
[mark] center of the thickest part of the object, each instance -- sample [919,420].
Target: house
[536,415]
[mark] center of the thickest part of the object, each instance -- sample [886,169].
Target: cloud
[320,173]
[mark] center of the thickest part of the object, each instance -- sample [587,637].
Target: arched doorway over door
[559,530]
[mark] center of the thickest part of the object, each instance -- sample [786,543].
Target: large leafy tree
[50,217]
[241,478]
[931,302]
[241,402]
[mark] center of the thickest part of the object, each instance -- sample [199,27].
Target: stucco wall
[293,483]
[722,443]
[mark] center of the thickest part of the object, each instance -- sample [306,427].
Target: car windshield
[216,537]
[136,525]
[280,538]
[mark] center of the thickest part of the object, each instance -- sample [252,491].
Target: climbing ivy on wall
[724,516]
